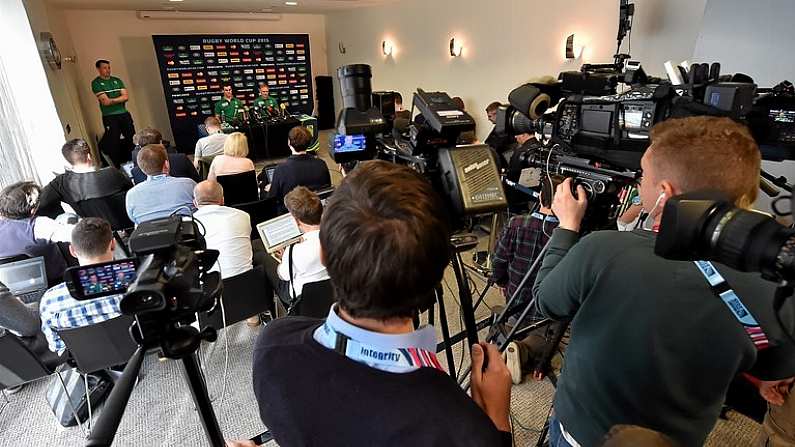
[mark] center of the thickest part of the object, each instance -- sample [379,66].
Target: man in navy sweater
[365,375]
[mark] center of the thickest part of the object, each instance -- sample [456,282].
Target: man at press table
[265,101]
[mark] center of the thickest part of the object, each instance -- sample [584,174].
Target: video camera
[707,226]
[172,283]
[466,177]
[165,285]
[610,131]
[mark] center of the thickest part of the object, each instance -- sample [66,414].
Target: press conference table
[266,139]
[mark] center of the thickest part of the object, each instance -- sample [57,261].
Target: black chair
[315,300]
[244,296]
[204,166]
[239,188]
[98,347]
[112,208]
[258,211]
[19,365]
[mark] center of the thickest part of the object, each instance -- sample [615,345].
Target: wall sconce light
[387,47]
[573,50]
[456,48]
[342,48]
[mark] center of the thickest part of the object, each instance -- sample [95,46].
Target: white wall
[753,38]
[126,41]
[506,42]
[37,126]
[63,83]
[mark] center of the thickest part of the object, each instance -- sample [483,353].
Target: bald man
[228,230]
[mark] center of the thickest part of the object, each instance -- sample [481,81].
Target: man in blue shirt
[92,243]
[160,195]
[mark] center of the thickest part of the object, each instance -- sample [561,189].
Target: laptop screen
[279,230]
[24,276]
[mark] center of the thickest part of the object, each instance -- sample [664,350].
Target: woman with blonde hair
[233,160]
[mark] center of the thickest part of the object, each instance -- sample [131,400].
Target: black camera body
[706,226]
[173,275]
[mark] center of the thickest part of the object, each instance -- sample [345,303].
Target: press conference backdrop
[194,67]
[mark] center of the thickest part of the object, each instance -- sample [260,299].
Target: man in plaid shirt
[92,243]
[520,244]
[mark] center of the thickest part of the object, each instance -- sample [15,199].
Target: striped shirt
[58,310]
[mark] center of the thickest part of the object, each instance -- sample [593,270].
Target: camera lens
[749,241]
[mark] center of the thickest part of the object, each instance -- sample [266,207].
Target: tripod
[180,342]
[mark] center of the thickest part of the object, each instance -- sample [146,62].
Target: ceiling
[304,6]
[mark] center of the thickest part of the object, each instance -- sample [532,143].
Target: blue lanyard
[720,287]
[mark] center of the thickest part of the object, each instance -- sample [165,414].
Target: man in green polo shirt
[265,101]
[228,107]
[112,96]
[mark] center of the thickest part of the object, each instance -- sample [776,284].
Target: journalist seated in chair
[227,229]
[300,168]
[234,159]
[385,244]
[21,232]
[212,144]
[92,243]
[300,263]
[179,164]
[161,195]
[82,181]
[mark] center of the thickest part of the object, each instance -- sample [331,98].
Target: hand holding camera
[568,208]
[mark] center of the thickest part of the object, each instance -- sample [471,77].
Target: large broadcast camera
[171,284]
[466,176]
[707,226]
[598,136]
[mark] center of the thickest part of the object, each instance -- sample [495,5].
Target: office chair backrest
[100,346]
[18,364]
[204,165]
[316,300]
[111,208]
[244,296]
[239,188]
[258,211]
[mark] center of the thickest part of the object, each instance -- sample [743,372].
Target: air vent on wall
[206,15]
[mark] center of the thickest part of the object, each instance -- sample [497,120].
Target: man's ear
[112,245]
[166,167]
[72,251]
[670,190]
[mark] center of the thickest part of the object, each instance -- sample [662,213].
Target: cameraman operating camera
[652,345]
[384,241]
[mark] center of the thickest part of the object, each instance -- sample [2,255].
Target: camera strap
[721,288]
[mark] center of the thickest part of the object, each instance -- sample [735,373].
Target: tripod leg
[465,297]
[199,391]
[483,294]
[448,348]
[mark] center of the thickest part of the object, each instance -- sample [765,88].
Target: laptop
[26,279]
[279,232]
